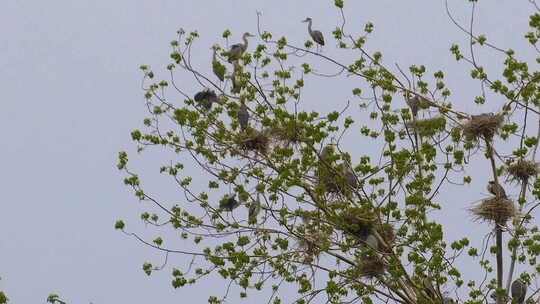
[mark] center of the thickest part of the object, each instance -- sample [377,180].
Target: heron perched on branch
[243,116]
[316,35]
[519,290]
[218,68]
[237,50]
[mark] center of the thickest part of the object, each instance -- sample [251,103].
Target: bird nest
[522,169]
[310,245]
[358,222]
[386,231]
[286,134]
[372,266]
[495,209]
[337,179]
[482,126]
[253,140]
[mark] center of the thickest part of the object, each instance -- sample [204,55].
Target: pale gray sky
[71,94]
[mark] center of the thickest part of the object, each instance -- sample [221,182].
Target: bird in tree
[316,35]
[206,98]
[327,151]
[228,203]
[237,50]
[237,71]
[372,242]
[253,211]
[519,290]
[243,116]
[496,189]
[349,176]
[218,68]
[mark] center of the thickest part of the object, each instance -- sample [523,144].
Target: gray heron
[519,290]
[243,116]
[237,50]
[496,189]
[316,35]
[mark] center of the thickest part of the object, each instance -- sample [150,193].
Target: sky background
[70,95]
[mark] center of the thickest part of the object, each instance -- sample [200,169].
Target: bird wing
[200,95]
[318,37]
[236,48]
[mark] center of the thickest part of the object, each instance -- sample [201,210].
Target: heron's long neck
[214,55]
[245,42]
[309,26]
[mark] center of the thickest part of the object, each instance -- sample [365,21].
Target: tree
[282,201]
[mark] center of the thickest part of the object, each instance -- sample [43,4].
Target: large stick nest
[482,126]
[358,222]
[287,134]
[372,266]
[522,169]
[386,231]
[495,209]
[254,140]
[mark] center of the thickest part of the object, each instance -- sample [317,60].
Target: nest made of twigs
[386,231]
[310,245]
[358,222]
[371,266]
[494,209]
[254,140]
[485,126]
[286,134]
[522,169]
[338,179]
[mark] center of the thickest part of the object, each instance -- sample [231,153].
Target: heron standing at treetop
[316,35]
[238,49]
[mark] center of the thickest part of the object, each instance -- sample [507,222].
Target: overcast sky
[70,95]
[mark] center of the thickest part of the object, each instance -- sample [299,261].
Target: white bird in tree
[237,50]
[316,35]
[519,290]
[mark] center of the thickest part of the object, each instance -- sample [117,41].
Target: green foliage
[288,201]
